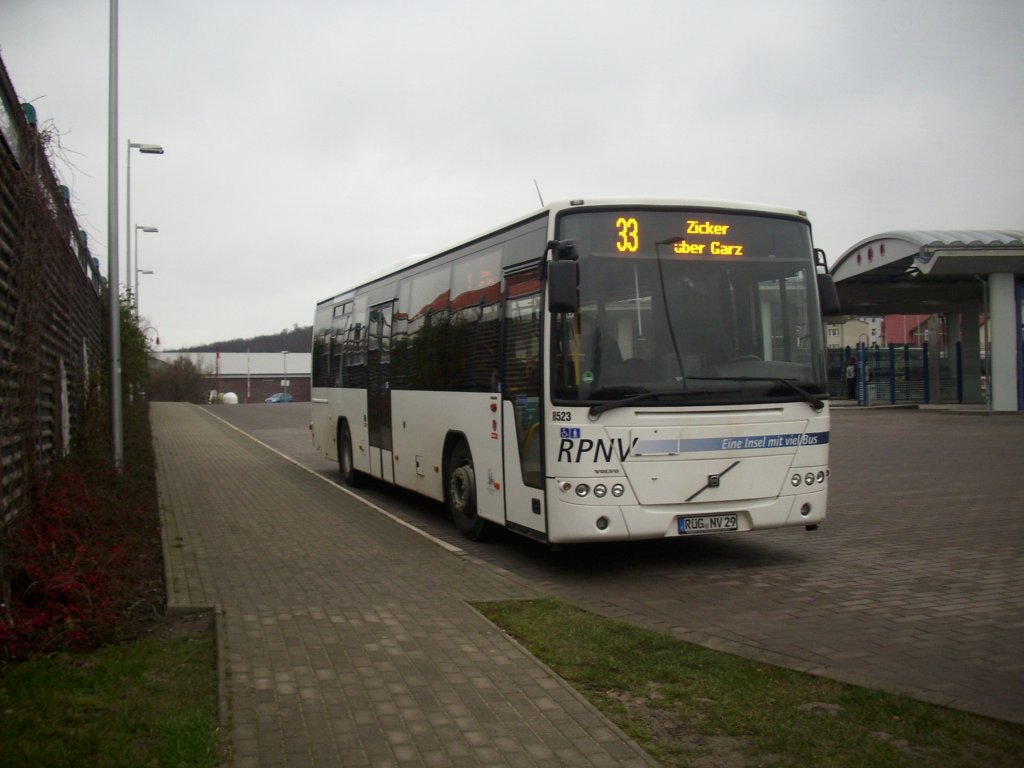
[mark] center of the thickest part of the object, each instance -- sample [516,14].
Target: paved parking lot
[915,582]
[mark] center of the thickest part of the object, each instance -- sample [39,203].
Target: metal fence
[899,375]
[51,317]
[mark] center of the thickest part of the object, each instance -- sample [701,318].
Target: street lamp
[146,149]
[138,271]
[284,383]
[116,430]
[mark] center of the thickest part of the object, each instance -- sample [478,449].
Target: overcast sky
[310,143]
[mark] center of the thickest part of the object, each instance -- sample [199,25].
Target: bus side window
[428,337]
[354,354]
[475,312]
[319,342]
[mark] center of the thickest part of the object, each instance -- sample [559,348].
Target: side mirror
[563,281]
[828,297]
[563,277]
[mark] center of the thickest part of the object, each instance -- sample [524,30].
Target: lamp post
[146,149]
[284,356]
[116,430]
[138,271]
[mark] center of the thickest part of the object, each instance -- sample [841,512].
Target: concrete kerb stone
[583,701]
[175,608]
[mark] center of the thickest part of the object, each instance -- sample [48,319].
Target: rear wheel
[461,493]
[352,477]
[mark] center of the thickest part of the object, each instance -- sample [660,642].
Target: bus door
[522,407]
[378,395]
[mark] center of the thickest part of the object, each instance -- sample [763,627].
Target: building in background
[252,376]
[854,331]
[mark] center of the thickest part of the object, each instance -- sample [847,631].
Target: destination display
[686,235]
[702,237]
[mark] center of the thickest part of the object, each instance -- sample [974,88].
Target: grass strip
[151,702]
[691,706]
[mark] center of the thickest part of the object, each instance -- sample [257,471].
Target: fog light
[805,510]
[582,490]
[821,477]
[618,489]
[602,523]
[795,480]
[600,491]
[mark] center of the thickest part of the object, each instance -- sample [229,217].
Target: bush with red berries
[85,564]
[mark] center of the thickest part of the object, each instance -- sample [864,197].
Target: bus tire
[461,493]
[346,462]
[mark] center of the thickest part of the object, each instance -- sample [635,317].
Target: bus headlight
[582,490]
[600,491]
[794,480]
[618,489]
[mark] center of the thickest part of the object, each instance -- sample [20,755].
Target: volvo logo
[714,481]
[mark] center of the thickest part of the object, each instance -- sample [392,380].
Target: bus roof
[557,207]
[671,202]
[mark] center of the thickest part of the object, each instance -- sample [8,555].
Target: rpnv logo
[569,433]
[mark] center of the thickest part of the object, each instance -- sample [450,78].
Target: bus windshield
[696,307]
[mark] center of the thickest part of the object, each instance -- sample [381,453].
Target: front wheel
[461,493]
[352,477]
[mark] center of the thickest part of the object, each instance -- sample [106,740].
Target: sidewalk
[345,638]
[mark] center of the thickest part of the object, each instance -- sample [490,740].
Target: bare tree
[181,380]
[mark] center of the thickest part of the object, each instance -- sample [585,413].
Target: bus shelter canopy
[924,271]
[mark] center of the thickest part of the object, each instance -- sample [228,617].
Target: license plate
[707,524]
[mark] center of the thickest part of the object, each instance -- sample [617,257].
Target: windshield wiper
[608,405]
[813,400]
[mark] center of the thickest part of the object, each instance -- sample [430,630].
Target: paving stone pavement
[346,639]
[914,584]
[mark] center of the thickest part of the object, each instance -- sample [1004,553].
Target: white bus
[596,370]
